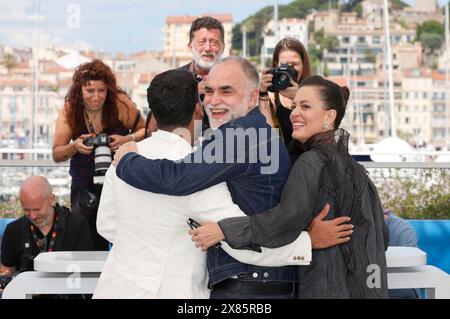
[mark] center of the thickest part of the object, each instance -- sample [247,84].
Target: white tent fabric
[395,147]
[72,60]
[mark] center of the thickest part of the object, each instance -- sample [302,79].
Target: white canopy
[72,60]
[395,147]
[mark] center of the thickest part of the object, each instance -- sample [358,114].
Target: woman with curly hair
[93,105]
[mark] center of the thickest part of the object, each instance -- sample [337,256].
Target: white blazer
[152,254]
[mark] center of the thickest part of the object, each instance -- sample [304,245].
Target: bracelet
[133,137]
[263,93]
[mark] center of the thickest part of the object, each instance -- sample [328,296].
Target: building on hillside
[293,28]
[360,42]
[428,6]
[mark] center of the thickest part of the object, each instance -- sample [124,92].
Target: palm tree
[9,61]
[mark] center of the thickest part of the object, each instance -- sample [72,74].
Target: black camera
[282,76]
[102,154]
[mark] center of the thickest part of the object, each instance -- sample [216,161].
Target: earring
[326,126]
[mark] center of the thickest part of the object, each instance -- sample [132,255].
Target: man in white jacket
[152,254]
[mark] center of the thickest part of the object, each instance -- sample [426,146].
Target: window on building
[438,133]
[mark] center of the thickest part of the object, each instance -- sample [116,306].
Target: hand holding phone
[194,224]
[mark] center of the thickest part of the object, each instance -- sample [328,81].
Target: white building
[287,28]
[360,41]
[425,6]
[16,111]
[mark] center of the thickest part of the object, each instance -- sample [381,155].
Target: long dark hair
[293,44]
[92,71]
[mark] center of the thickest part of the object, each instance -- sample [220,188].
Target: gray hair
[246,66]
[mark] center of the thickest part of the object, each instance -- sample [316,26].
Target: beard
[239,111]
[214,122]
[205,65]
[42,222]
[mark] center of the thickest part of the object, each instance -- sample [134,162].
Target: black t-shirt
[283,115]
[73,234]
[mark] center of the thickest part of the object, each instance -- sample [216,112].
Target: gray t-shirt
[401,233]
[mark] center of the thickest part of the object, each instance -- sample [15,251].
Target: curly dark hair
[92,71]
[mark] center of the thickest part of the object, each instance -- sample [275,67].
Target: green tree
[431,41]
[430,26]
[256,22]
[324,41]
[9,61]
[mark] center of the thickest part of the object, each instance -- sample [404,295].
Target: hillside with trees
[296,9]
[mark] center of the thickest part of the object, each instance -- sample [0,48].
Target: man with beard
[206,42]
[45,227]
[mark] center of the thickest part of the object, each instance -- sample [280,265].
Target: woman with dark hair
[276,105]
[324,173]
[93,105]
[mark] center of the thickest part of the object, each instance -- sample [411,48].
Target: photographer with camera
[97,118]
[46,226]
[290,66]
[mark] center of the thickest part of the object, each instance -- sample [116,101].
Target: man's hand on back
[328,233]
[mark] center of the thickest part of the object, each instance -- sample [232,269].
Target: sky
[110,26]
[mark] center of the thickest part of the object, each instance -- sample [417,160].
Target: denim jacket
[247,154]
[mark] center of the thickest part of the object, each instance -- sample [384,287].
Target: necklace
[88,122]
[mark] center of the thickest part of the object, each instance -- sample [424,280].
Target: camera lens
[281,81]
[102,159]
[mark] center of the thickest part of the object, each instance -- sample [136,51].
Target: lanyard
[42,243]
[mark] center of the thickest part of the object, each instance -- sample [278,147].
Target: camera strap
[136,121]
[42,244]
[147,123]
[88,123]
